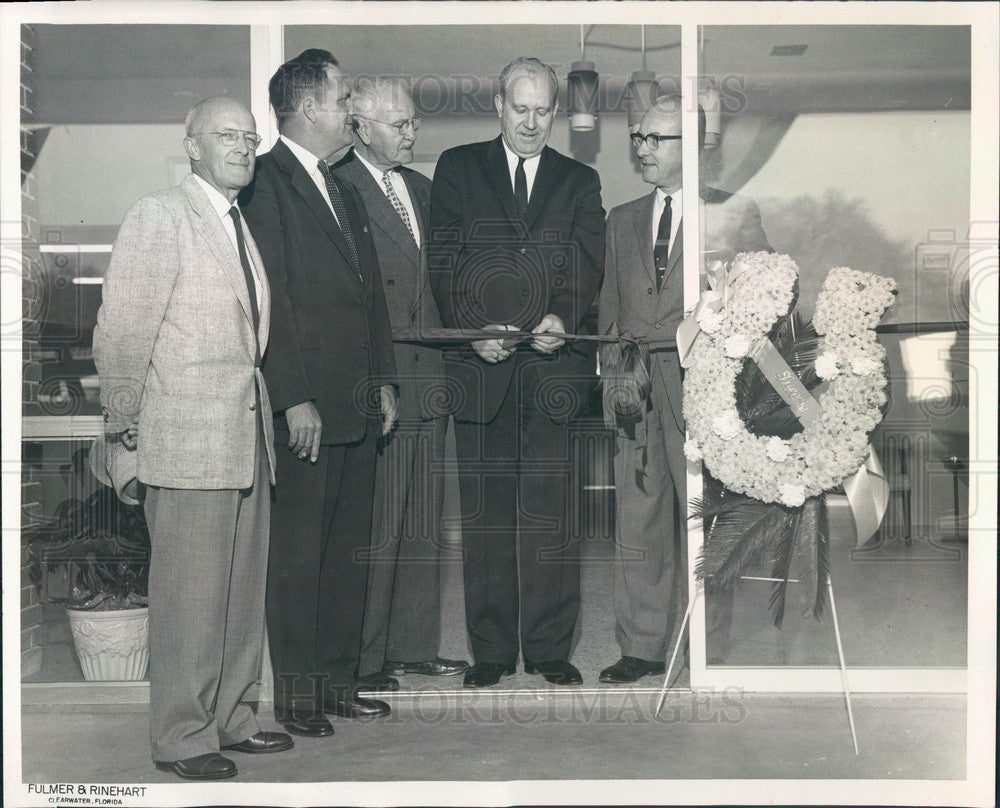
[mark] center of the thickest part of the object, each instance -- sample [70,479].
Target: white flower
[726,425]
[863,366]
[793,495]
[737,346]
[692,451]
[777,449]
[710,321]
[826,365]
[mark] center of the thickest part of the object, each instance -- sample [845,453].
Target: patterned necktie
[241,248]
[390,192]
[337,202]
[661,252]
[521,187]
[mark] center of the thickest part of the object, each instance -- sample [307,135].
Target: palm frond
[781,567]
[767,531]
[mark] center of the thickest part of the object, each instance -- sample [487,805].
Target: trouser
[520,558]
[318,576]
[207,578]
[403,610]
[650,589]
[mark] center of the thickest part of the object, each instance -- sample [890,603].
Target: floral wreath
[850,361]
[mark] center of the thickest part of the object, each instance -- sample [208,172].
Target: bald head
[226,166]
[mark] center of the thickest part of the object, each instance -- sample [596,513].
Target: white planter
[112,646]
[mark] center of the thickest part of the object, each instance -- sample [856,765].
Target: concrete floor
[587,735]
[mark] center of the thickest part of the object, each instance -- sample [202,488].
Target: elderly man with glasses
[642,294]
[402,626]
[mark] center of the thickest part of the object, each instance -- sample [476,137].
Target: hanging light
[581,87]
[641,90]
[711,103]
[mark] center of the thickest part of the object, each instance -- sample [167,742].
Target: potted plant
[102,545]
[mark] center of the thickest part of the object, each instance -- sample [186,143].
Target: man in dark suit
[402,627]
[517,242]
[642,294]
[331,371]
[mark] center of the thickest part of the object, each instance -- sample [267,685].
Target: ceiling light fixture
[582,92]
[641,90]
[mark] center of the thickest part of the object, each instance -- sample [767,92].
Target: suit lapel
[499,175]
[421,204]
[304,185]
[642,222]
[380,210]
[208,223]
[546,178]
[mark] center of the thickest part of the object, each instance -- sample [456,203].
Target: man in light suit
[332,377]
[642,294]
[402,625]
[517,242]
[179,338]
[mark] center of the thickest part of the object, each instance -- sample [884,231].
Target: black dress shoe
[630,669]
[210,766]
[356,708]
[378,682]
[557,672]
[307,723]
[486,674]
[263,742]
[435,667]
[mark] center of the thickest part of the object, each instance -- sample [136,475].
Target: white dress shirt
[530,167]
[399,186]
[659,203]
[221,205]
[310,162]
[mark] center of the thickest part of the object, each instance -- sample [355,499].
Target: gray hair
[368,92]
[531,66]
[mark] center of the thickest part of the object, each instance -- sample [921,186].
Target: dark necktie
[661,252]
[241,248]
[337,202]
[521,187]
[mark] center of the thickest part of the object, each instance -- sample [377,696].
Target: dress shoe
[630,669]
[435,667]
[356,708]
[378,682]
[486,674]
[262,742]
[210,766]
[557,672]
[308,723]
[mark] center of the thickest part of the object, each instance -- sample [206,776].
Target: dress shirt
[221,205]
[659,203]
[530,167]
[399,186]
[310,162]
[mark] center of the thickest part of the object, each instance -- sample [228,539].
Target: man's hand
[494,350]
[549,323]
[130,437]
[305,429]
[390,408]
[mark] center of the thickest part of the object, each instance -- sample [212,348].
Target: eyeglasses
[230,137]
[651,140]
[400,127]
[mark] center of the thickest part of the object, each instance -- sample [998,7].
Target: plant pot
[112,646]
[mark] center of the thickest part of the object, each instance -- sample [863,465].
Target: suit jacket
[175,348]
[331,342]
[488,265]
[420,368]
[628,294]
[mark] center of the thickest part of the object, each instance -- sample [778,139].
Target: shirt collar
[513,158]
[375,171]
[219,203]
[310,162]
[675,198]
